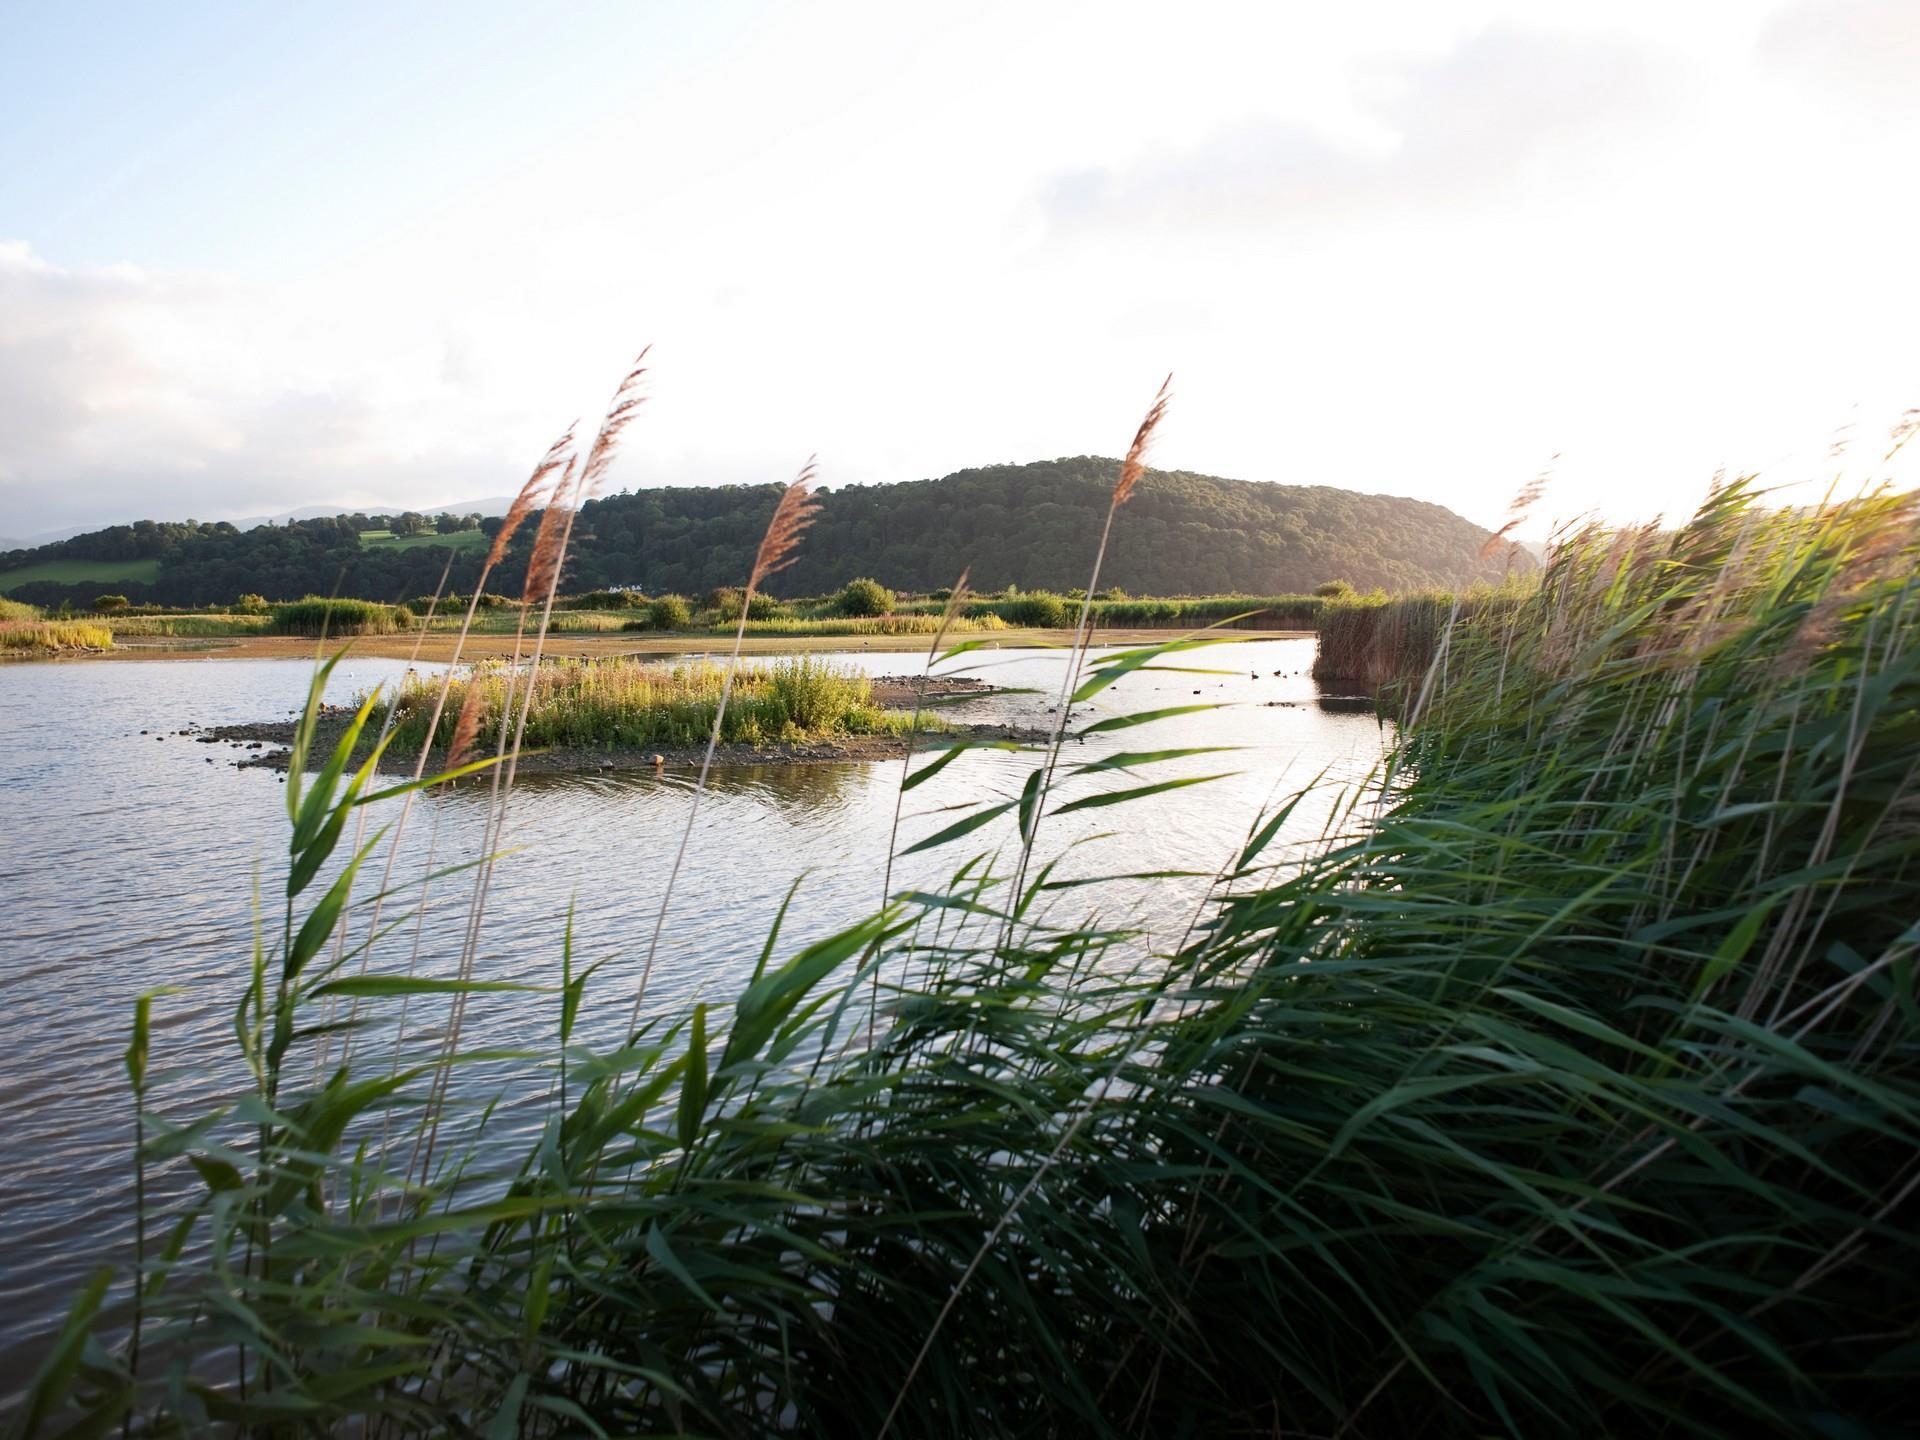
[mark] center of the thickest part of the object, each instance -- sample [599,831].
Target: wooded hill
[1034,526]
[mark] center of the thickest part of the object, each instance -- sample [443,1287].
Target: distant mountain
[1035,526]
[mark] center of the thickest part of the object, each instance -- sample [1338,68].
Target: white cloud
[125,393]
[1506,107]
[1866,50]
[1420,265]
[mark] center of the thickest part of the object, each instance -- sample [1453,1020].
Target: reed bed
[504,622]
[1386,645]
[1570,1086]
[201,626]
[316,616]
[625,703]
[904,624]
[53,637]
[1044,610]
[17,610]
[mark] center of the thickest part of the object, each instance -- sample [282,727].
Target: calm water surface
[129,856]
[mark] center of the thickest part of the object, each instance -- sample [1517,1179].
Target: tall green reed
[1573,1086]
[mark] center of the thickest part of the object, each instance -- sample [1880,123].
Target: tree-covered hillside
[1034,526]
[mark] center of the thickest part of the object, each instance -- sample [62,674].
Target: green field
[77,572]
[459,540]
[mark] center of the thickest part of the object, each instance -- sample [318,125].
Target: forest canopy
[1034,526]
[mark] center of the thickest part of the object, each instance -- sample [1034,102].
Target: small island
[625,713]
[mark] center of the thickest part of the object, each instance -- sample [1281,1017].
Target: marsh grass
[1383,644]
[16,610]
[52,637]
[316,617]
[625,703]
[199,626]
[876,625]
[1571,1085]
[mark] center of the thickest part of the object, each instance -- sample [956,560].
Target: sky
[258,257]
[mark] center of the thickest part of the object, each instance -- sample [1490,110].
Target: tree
[864,597]
[409,522]
[669,612]
[107,604]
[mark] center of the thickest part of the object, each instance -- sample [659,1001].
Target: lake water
[129,856]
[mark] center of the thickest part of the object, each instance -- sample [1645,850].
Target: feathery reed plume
[790,517]
[1904,429]
[1520,506]
[620,412]
[466,727]
[1887,548]
[542,585]
[1135,465]
[1130,471]
[793,515]
[529,498]
[543,570]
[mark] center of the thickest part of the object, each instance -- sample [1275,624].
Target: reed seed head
[1521,506]
[543,571]
[791,516]
[466,728]
[620,413]
[531,494]
[1135,465]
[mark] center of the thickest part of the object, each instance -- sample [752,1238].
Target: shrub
[250,604]
[943,593]
[109,604]
[1037,609]
[863,598]
[1334,590]
[669,612]
[603,600]
[761,607]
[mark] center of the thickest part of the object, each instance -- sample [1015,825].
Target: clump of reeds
[17,610]
[1387,644]
[315,616]
[51,637]
[627,704]
[183,626]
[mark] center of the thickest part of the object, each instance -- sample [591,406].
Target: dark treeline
[1025,525]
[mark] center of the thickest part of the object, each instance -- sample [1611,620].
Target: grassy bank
[53,637]
[626,704]
[1573,1087]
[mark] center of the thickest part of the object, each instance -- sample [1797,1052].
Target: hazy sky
[258,256]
